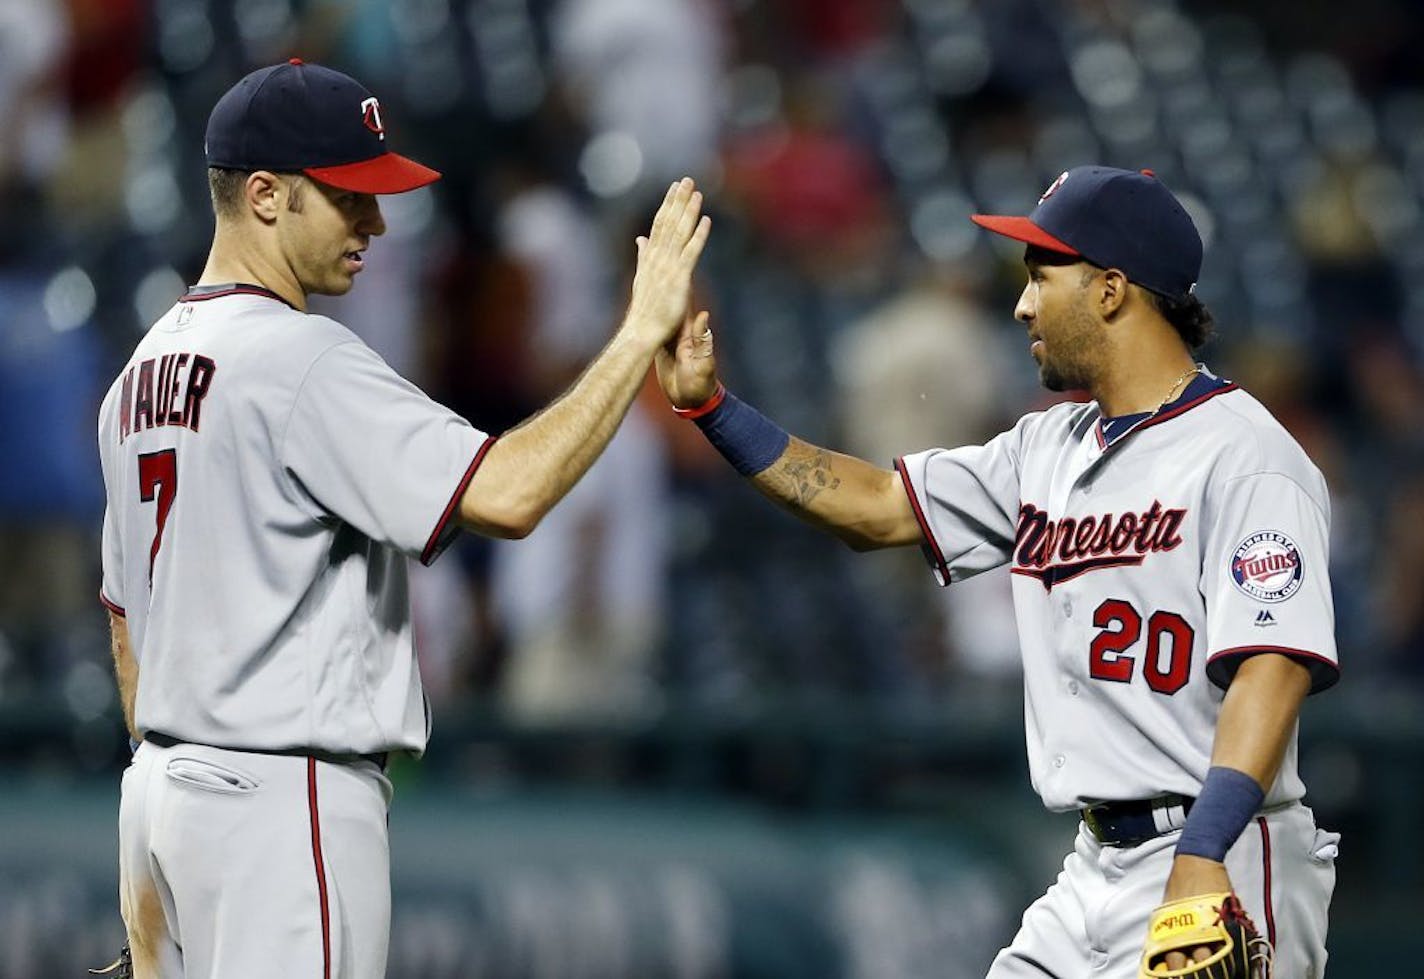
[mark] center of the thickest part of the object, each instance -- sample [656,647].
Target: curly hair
[1188,316]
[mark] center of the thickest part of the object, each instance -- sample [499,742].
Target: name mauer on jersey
[1055,550]
[166,390]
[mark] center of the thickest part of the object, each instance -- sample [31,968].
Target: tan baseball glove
[1213,921]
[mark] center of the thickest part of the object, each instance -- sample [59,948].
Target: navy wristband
[746,438]
[1228,800]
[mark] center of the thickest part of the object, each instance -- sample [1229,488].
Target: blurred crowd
[843,144]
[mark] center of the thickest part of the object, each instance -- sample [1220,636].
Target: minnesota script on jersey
[1144,570]
[268,475]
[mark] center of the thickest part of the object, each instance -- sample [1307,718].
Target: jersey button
[1058,761]
[1073,687]
[1068,608]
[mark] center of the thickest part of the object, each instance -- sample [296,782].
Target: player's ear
[1110,292]
[263,193]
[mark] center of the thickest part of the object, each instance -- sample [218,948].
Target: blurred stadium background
[676,734]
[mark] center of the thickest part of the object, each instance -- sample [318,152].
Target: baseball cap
[304,118]
[1122,219]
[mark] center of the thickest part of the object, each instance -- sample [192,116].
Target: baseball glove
[1214,921]
[120,968]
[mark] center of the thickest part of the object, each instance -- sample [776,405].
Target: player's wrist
[706,406]
[643,332]
[745,437]
[1228,800]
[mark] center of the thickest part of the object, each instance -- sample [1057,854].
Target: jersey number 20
[158,479]
[1168,660]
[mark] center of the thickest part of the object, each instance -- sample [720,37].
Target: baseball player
[1167,543]
[268,476]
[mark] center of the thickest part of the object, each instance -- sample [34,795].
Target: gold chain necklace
[1196,368]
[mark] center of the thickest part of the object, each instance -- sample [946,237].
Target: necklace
[1195,368]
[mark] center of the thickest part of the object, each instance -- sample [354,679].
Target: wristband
[746,438]
[706,408]
[1228,800]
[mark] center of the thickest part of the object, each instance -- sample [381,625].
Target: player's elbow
[509,516]
[860,537]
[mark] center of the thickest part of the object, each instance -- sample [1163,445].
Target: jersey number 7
[158,478]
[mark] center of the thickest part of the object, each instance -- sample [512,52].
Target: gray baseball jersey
[267,477]
[1145,569]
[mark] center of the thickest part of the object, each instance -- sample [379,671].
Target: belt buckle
[1094,824]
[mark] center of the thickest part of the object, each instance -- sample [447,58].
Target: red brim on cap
[1022,229]
[389,173]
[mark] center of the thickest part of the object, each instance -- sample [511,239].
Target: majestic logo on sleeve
[1054,551]
[1267,566]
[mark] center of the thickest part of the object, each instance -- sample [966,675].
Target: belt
[1136,821]
[377,758]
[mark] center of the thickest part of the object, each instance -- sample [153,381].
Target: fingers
[693,249]
[661,218]
[676,221]
[671,211]
[702,336]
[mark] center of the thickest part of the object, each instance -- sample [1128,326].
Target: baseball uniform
[268,476]
[1149,557]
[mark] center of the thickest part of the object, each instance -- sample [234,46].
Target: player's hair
[225,187]
[1188,316]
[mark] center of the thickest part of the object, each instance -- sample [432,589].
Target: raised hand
[687,365]
[662,283]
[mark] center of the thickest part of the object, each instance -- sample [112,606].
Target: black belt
[1136,821]
[377,758]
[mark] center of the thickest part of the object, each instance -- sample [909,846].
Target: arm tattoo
[803,477]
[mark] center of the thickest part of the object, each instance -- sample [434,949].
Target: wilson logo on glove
[1214,921]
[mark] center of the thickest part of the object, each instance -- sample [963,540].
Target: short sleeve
[111,588]
[373,450]
[966,501]
[1265,578]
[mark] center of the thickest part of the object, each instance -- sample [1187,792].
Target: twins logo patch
[1267,566]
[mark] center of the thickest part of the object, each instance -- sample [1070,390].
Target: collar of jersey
[199,293]
[1203,387]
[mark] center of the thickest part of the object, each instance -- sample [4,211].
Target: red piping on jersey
[1324,673]
[1266,887]
[116,609]
[1186,406]
[938,555]
[1164,416]
[428,554]
[320,870]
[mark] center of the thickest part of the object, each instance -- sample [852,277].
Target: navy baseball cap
[1120,219]
[302,118]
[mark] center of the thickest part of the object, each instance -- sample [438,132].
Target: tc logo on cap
[1054,186]
[371,116]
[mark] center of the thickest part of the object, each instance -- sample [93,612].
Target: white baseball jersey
[267,477]
[1145,569]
